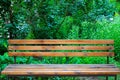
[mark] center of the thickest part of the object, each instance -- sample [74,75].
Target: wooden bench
[63,48]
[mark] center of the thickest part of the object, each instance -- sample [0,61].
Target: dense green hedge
[104,30]
[58,19]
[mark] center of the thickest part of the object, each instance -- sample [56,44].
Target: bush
[64,29]
[74,32]
[3,46]
[103,30]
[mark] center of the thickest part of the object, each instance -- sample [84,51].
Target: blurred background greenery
[59,19]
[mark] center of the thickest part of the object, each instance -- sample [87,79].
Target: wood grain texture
[70,47]
[62,50]
[61,69]
[58,41]
[85,54]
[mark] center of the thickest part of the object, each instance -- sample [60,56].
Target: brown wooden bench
[63,48]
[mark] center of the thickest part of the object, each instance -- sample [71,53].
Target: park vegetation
[58,19]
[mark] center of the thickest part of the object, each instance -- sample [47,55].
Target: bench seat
[60,69]
[61,48]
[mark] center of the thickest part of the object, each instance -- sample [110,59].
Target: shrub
[3,46]
[103,30]
[74,32]
[64,29]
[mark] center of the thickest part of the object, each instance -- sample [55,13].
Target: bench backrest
[56,47]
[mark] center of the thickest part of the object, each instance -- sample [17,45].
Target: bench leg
[15,78]
[106,77]
[11,78]
[115,77]
[8,77]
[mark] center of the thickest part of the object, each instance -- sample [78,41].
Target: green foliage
[103,30]
[5,5]
[58,19]
[48,17]
[118,5]
[3,46]
[65,28]
[74,32]
[93,10]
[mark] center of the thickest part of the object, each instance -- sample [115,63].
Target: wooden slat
[61,69]
[60,47]
[52,41]
[61,54]
[26,66]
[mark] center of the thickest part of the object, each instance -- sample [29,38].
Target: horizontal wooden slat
[61,54]
[61,69]
[41,66]
[53,41]
[60,47]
